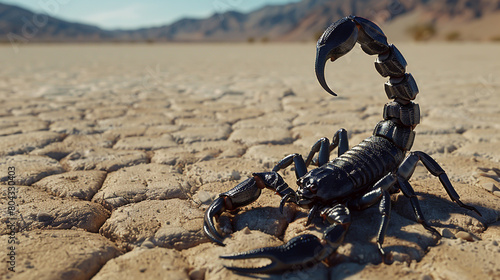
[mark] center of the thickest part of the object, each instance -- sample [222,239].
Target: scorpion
[358,178]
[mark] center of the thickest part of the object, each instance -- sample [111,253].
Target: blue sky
[133,14]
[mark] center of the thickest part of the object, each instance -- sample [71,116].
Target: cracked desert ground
[118,150]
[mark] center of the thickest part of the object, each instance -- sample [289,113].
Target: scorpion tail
[301,251]
[340,37]
[337,40]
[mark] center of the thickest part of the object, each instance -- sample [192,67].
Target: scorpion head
[315,188]
[307,193]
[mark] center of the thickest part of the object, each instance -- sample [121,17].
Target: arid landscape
[115,151]
[297,21]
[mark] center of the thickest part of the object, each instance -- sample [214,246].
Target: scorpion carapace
[359,177]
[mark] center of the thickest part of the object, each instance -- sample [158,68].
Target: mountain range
[300,21]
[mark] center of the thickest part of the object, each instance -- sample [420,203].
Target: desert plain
[115,152]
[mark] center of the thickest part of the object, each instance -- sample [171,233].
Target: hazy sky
[132,14]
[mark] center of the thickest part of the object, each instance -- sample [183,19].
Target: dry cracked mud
[114,153]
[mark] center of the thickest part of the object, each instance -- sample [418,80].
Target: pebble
[148,244]
[197,274]
[465,236]
[489,186]
[44,217]
[426,277]
[447,233]
[204,197]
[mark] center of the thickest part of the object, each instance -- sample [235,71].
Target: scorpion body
[359,177]
[356,170]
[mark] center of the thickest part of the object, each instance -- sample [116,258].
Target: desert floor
[114,152]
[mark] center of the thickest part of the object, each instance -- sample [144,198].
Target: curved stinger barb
[340,37]
[337,40]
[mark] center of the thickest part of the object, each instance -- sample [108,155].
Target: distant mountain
[299,21]
[22,24]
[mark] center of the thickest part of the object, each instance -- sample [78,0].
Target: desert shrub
[422,31]
[495,38]
[250,39]
[453,36]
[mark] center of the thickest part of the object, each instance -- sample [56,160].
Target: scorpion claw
[312,214]
[301,251]
[215,209]
[337,40]
[242,194]
[286,199]
[212,237]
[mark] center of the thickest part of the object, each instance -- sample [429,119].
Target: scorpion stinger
[360,177]
[340,37]
[336,41]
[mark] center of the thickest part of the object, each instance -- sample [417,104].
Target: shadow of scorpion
[359,177]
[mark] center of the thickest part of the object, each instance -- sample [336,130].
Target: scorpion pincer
[359,177]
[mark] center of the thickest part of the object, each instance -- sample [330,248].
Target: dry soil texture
[118,150]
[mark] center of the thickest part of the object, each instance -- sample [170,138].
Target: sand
[118,150]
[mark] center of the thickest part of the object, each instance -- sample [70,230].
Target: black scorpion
[359,177]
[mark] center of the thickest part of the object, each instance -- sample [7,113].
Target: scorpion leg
[341,141]
[300,170]
[324,149]
[300,166]
[408,166]
[380,193]
[339,217]
[243,194]
[322,146]
[301,251]
[408,191]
